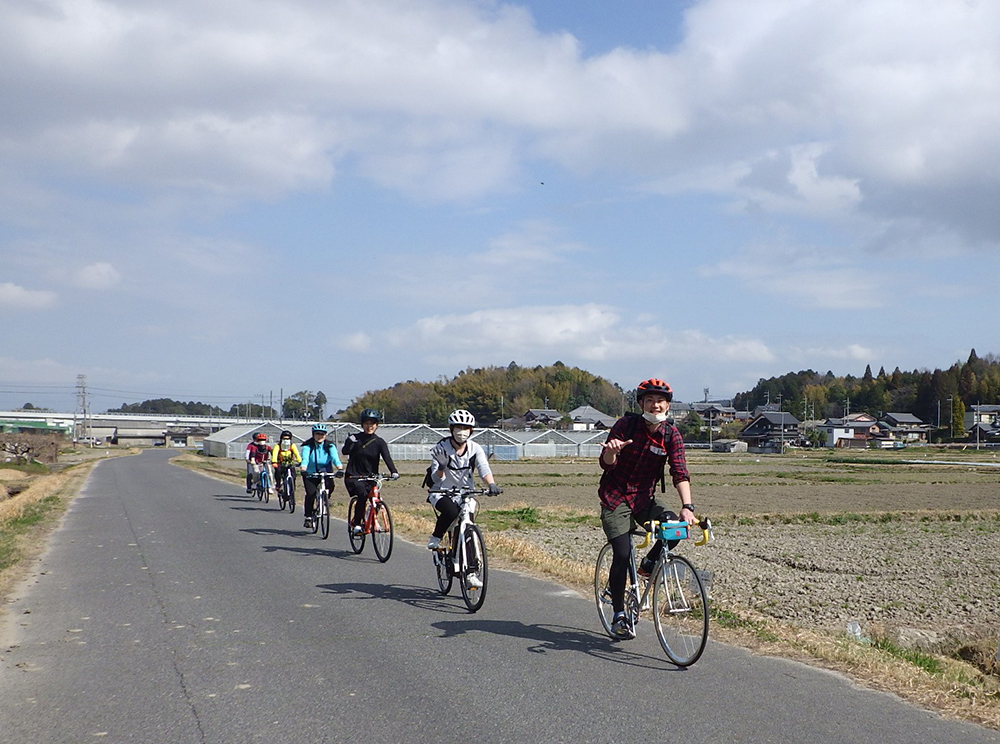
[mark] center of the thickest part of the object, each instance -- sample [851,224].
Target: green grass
[928,663]
[31,468]
[33,515]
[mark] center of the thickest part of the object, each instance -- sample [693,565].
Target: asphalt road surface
[172,608]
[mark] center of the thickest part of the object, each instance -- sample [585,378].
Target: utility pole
[83,405]
[951,419]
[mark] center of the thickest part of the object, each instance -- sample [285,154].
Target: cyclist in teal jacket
[319,460]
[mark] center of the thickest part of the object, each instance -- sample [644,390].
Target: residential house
[771,431]
[855,430]
[544,416]
[903,427]
[586,418]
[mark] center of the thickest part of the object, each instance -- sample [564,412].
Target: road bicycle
[261,482]
[286,487]
[377,521]
[462,552]
[674,591]
[321,504]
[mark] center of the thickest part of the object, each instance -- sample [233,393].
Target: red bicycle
[377,521]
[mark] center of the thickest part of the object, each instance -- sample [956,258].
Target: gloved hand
[394,476]
[339,474]
[494,490]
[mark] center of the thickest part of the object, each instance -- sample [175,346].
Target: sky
[219,200]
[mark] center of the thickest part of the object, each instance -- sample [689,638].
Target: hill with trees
[926,394]
[491,394]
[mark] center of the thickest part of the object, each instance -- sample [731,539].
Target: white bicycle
[462,552]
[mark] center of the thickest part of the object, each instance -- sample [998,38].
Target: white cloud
[100,275]
[356,342]
[15,297]
[589,332]
[851,352]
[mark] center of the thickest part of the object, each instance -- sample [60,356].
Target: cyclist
[363,451]
[285,456]
[453,460]
[634,456]
[258,456]
[319,460]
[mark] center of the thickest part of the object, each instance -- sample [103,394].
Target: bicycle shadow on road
[414,596]
[321,552]
[547,638]
[271,531]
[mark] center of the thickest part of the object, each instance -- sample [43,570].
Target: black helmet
[370,414]
[285,434]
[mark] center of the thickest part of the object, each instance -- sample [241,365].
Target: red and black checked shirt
[634,476]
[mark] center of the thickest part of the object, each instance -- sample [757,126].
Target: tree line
[304,405]
[491,394]
[940,397]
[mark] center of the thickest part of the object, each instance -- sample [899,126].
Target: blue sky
[222,200]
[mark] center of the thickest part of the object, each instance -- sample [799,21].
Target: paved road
[170,608]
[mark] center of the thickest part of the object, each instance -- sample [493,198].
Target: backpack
[631,427]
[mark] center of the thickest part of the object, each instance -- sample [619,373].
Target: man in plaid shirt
[634,457]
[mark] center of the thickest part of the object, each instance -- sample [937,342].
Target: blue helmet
[319,427]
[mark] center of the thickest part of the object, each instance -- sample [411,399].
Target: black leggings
[311,485]
[354,488]
[447,513]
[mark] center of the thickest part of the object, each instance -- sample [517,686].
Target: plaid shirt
[634,475]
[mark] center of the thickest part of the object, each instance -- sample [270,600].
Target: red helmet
[260,436]
[654,385]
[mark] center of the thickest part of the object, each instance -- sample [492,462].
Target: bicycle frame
[372,500]
[466,515]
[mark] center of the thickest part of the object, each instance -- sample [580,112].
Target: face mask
[655,418]
[461,435]
[286,443]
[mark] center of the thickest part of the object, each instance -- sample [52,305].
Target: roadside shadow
[546,638]
[322,552]
[415,596]
[271,531]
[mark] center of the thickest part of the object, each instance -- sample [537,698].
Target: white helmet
[461,417]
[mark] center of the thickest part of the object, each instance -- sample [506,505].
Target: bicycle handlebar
[707,535]
[377,478]
[463,492]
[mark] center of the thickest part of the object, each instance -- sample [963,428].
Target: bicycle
[462,552]
[260,482]
[679,601]
[377,521]
[286,488]
[321,504]
[264,484]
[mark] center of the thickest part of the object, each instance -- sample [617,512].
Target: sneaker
[356,529]
[473,582]
[248,490]
[308,523]
[620,627]
[645,568]
[434,543]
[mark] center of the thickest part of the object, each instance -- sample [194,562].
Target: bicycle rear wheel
[382,532]
[265,486]
[680,611]
[290,494]
[324,516]
[602,592]
[357,541]
[442,566]
[473,564]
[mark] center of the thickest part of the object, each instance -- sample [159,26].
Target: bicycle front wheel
[324,517]
[382,532]
[680,611]
[474,573]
